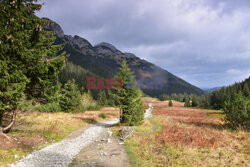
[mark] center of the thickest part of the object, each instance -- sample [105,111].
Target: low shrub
[49,107]
[102,115]
[26,105]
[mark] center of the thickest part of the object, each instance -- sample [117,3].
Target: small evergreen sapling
[102,98]
[71,100]
[170,103]
[187,103]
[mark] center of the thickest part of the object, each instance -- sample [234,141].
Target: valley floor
[187,137]
[175,136]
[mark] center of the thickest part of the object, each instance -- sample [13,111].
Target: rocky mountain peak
[81,42]
[130,55]
[53,26]
[106,46]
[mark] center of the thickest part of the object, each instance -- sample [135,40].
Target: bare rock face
[107,50]
[53,26]
[80,44]
[107,46]
[130,55]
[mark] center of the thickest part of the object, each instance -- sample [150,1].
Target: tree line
[191,100]
[234,100]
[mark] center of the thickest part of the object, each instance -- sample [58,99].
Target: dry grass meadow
[35,130]
[188,137]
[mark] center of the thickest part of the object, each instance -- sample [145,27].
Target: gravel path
[62,153]
[148,113]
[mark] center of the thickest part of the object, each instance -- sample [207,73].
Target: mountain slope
[104,60]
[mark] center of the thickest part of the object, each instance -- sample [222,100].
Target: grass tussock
[145,127]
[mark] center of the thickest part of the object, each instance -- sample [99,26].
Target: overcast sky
[205,42]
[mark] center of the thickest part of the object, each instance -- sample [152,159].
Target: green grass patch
[134,161]
[94,107]
[102,115]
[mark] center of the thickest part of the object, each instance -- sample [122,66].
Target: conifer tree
[102,98]
[187,103]
[45,64]
[128,97]
[246,89]
[194,101]
[71,100]
[170,103]
[237,111]
[26,55]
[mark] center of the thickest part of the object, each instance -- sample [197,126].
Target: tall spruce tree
[128,97]
[27,56]
[45,64]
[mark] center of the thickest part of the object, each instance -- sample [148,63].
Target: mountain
[211,89]
[104,60]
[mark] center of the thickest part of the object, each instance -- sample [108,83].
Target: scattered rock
[126,132]
[109,141]
[103,154]
[110,133]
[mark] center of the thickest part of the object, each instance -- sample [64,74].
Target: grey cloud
[199,40]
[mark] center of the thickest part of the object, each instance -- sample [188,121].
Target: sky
[205,42]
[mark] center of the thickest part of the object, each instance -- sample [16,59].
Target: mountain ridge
[105,59]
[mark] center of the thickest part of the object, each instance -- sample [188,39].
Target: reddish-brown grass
[198,137]
[191,127]
[94,115]
[189,137]
[190,116]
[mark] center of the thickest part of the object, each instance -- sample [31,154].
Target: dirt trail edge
[108,151]
[62,153]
